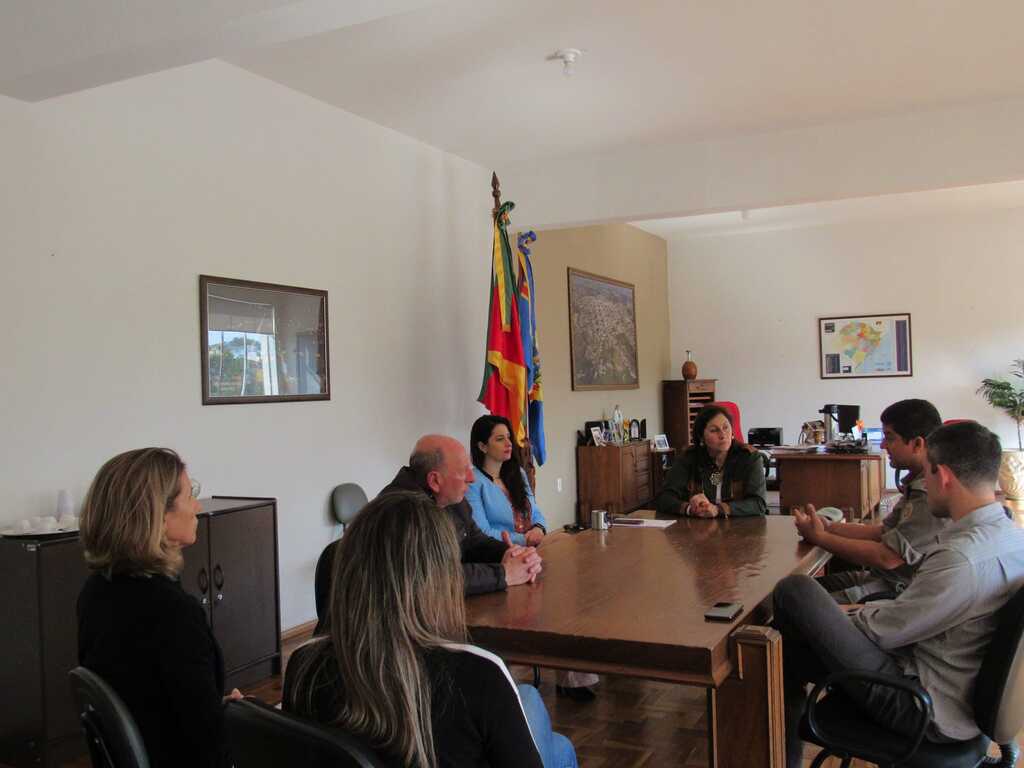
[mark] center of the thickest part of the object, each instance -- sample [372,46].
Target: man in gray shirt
[938,629]
[893,549]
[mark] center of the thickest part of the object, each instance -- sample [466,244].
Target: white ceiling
[52,47]
[470,76]
[931,203]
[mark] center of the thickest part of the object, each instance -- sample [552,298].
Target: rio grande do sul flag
[503,392]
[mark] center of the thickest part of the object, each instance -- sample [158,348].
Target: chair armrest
[909,743]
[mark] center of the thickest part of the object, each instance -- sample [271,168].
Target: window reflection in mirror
[262,342]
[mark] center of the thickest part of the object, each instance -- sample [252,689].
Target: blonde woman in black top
[396,669]
[137,628]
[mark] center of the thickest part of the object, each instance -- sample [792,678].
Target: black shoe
[578,693]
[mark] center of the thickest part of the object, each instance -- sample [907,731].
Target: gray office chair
[347,500]
[263,737]
[112,736]
[834,722]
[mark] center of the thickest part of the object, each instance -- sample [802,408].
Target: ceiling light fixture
[568,57]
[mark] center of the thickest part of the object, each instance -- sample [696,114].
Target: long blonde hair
[122,525]
[397,591]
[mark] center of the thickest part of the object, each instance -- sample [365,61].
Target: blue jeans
[556,751]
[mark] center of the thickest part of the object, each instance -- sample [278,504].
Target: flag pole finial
[495,192]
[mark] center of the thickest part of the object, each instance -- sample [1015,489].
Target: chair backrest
[999,688]
[346,501]
[260,735]
[322,586]
[110,730]
[734,412]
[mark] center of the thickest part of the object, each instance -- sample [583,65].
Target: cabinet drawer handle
[218,576]
[220,597]
[203,580]
[205,600]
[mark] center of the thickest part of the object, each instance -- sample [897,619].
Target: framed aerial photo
[865,346]
[262,342]
[602,332]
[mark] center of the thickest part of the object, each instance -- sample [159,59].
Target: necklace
[716,477]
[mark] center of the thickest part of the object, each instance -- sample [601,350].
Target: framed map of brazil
[863,346]
[602,332]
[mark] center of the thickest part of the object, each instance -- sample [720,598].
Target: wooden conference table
[631,601]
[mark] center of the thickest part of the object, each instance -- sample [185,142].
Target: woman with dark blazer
[717,476]
[137,628]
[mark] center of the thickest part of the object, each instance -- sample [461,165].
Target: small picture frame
[661,442]
[598,435]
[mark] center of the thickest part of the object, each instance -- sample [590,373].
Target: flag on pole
[504,387]
[531,354]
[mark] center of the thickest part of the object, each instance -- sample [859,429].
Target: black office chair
[347,500]
[836,723]
[322,587]
[113,738]
[263,737]
[763,438]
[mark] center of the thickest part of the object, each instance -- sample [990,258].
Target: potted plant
[1002,394]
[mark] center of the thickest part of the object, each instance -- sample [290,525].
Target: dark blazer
[150,641]
[743,482]
[481,555]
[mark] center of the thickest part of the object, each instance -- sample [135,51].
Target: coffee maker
[839,421]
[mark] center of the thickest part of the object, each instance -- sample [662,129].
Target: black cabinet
[232,569]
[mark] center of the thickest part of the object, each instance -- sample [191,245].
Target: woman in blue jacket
[502,502]
[500,496]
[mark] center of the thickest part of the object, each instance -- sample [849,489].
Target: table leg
[746,722]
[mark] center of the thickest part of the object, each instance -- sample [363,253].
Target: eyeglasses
[196,488]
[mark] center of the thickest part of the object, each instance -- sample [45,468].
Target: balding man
[439,466]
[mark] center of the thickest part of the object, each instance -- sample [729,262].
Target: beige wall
[617,251]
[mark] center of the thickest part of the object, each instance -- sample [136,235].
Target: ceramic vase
[689,368]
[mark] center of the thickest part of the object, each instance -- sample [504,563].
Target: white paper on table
[636,522]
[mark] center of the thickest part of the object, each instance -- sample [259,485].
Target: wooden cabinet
[681,400]
[236,548]
[851,482]
[612,477]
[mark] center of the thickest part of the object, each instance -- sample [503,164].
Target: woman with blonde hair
[395,668]
[137,628]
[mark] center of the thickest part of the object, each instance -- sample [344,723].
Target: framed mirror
[261,342]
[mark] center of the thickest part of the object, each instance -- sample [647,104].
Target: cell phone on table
[723,611]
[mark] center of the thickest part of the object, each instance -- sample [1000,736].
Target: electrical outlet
[558,484]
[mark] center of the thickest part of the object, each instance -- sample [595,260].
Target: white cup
[46,524]
[64,505]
